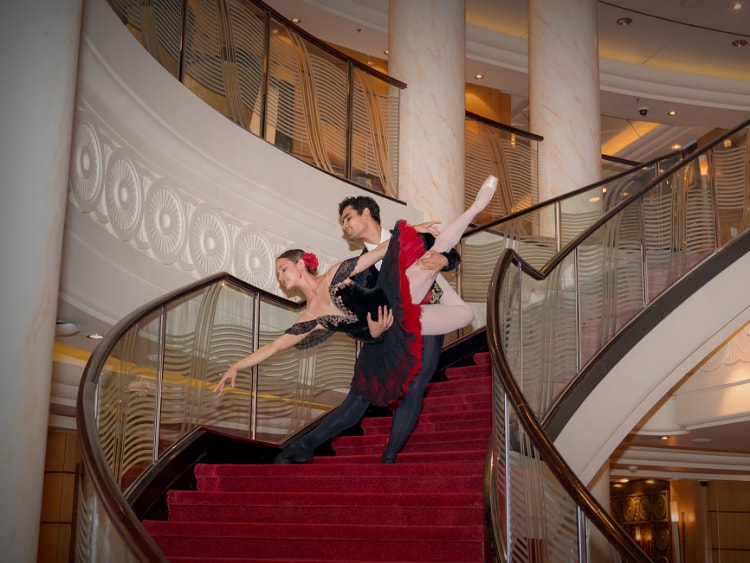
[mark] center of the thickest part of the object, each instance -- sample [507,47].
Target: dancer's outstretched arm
[263,353]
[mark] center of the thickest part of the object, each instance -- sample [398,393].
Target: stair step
[482,358]
[331,542]
[457,402]
[468,372]
[309,470]
[465,423]
[474,385]
[411,509]
[285,559]
[456,448]
[406,458]
[446,440]
[395,484]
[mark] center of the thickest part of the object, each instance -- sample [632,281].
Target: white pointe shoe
[484,196]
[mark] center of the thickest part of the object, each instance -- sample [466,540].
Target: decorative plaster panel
[136,203]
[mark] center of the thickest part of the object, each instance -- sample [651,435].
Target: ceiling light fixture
[737,6]
[676,147]
[296,20]
[672,113]
[739,42]
[624,21]
[65,328]
[95,336]
[479,76]
[387,52]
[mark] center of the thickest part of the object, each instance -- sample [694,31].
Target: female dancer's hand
[231,374]
[384,322]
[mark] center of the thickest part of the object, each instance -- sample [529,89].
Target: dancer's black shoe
[293,454]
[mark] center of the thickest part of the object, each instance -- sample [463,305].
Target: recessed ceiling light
[387,52]
[676,147]
[624,21]
[737,6]
[672,112]
[95,336]
[479,76]
[664,438]
[739,42]
[65,328]
[296,20]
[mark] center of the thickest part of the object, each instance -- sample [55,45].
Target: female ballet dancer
[390,318]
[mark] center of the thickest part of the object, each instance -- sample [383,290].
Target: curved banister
[147,388]
[548,320]
[657,162]
[128,529]
[601,221]
[540,231]
[544,447]
[608,224]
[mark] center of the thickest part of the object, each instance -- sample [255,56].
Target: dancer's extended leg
[406,416]
[420,280]
[450,314]
[346,415]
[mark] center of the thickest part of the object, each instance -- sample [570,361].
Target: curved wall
[164,190]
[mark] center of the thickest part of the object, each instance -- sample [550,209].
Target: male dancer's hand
[432,261]
[430,227]
[384,322]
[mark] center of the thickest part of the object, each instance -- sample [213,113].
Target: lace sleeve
[315,337]
[345,270]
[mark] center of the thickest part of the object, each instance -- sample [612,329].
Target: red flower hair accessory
[310,260]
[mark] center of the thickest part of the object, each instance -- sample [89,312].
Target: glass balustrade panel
[126,402]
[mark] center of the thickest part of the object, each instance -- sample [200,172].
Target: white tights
[452,312]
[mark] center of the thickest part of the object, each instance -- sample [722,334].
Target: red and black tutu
[384,370]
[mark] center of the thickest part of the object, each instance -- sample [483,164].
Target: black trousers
[405,417]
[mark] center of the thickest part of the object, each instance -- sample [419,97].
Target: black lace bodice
[354,302]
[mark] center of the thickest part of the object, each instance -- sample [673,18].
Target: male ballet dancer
[360,221]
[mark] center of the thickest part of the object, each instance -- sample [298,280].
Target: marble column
[427,50]
[38,62]
[564,93]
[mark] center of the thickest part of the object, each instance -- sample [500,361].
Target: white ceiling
[675,55]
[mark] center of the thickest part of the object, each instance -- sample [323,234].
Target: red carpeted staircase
[349,507]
